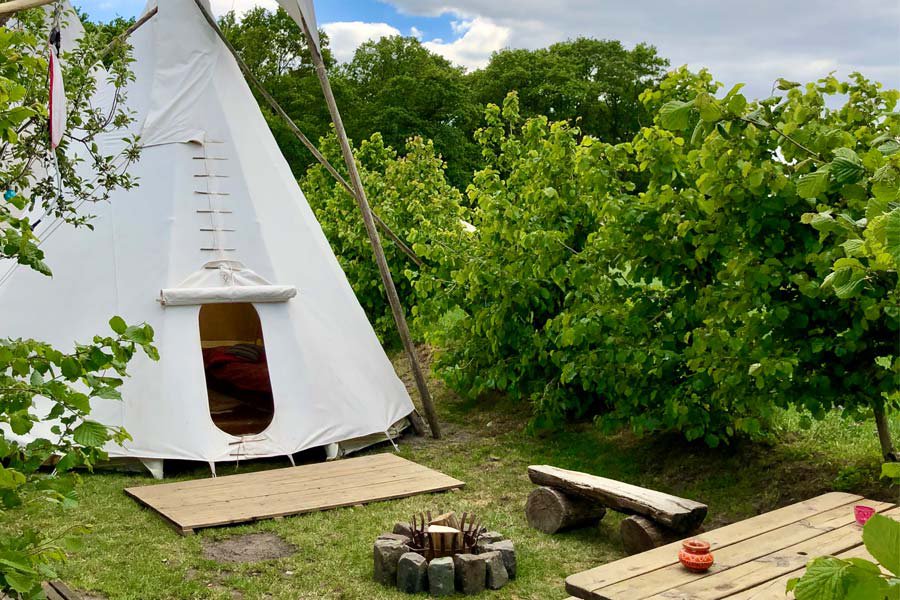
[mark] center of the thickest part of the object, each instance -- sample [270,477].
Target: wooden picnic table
[754,558]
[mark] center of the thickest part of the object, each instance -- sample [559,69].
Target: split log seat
[550,510]
[568,499]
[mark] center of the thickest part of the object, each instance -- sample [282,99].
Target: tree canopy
[597,83]
[398,88]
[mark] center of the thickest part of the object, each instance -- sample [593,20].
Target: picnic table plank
[584,584]
[680,514]
[727,558]
[775,589]
[772,566]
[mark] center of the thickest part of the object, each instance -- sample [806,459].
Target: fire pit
[443,555]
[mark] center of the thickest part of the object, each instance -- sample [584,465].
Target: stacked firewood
[444,535]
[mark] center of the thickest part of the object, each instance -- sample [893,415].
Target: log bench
[570,499]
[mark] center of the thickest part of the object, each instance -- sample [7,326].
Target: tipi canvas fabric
[212,164]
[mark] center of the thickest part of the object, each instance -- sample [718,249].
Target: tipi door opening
[237,373]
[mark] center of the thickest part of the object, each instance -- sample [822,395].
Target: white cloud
[416,33]
[346,37]
[756,44]
[479,39]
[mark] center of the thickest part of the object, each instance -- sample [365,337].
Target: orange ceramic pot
[695,555]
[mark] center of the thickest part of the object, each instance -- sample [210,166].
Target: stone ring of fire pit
[442,555]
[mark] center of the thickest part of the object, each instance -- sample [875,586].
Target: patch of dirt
[253,547]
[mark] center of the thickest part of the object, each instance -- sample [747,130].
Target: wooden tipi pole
[270,100]
[363,202]
[11,8]
[369,218]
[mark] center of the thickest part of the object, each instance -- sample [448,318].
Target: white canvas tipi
[216,248]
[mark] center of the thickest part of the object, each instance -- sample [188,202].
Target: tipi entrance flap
[225,282]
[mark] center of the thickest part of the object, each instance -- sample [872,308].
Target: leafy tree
[673,281]
[105,34]
[38,383]
[412,195]
[839,289]
[398,88]
[596,82]
[56,188]
[535,203]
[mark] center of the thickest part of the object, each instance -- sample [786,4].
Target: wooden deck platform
[190,505]
[754,558]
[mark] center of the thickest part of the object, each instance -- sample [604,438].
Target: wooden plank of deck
[586,583]
[190,505]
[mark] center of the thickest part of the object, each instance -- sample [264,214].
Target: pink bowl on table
[863,513]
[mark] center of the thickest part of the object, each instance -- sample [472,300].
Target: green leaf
[73,543]
[737,104]
[891,470]
[847,281]
[892,234]
[71,368]
[90,434]
[21,582]
[709,108]
[675,115]
[69,461]
[151,351]
[847,166]
[881,536]
[784,84]
[697,135]
[723,131]
[823,580]
[886,183]
[107,393]
[79,401]
[118,325]
[20,423]
[813,184]
[139,334]
[889,147]
[865,586]
[10,479]
[853,248]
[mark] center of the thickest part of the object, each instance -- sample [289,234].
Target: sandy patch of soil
[253,547]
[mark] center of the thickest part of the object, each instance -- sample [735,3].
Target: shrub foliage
[733,257]
[410,194]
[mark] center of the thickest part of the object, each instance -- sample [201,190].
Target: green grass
[132,554]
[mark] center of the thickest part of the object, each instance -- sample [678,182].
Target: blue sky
[754,42]
[367,11]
